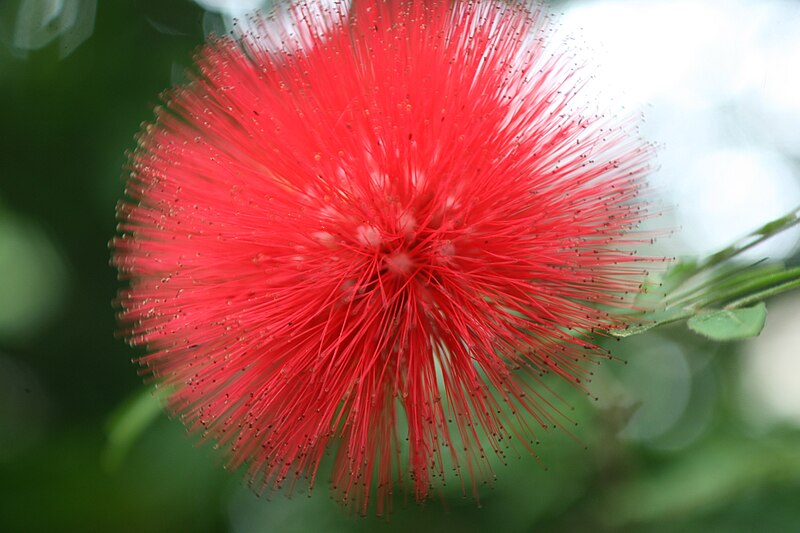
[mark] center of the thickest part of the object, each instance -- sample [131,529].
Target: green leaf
[32,281]
[651,320]
[129,422]
[699,480]
[633,330]
[730,324]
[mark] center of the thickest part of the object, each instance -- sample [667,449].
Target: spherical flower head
[376,231]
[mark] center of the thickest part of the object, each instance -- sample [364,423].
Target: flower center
[399,263]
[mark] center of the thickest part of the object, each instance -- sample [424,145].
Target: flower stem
[725,285]
[763,295]
[754,238]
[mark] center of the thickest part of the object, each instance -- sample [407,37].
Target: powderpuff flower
[376,230]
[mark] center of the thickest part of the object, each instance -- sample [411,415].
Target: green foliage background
[64,377]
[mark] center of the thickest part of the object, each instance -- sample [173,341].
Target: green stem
[754,238]
[743,288]
[727,278]
[759,296]
[726,284]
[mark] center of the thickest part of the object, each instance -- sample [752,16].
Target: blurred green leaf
[129,422]
[730,324]
[165,485]
[32,277]
[696,483]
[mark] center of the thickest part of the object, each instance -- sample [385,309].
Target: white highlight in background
[722,80]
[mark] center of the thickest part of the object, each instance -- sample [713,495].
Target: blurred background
[689,435]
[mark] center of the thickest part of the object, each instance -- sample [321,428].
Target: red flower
[373,228]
